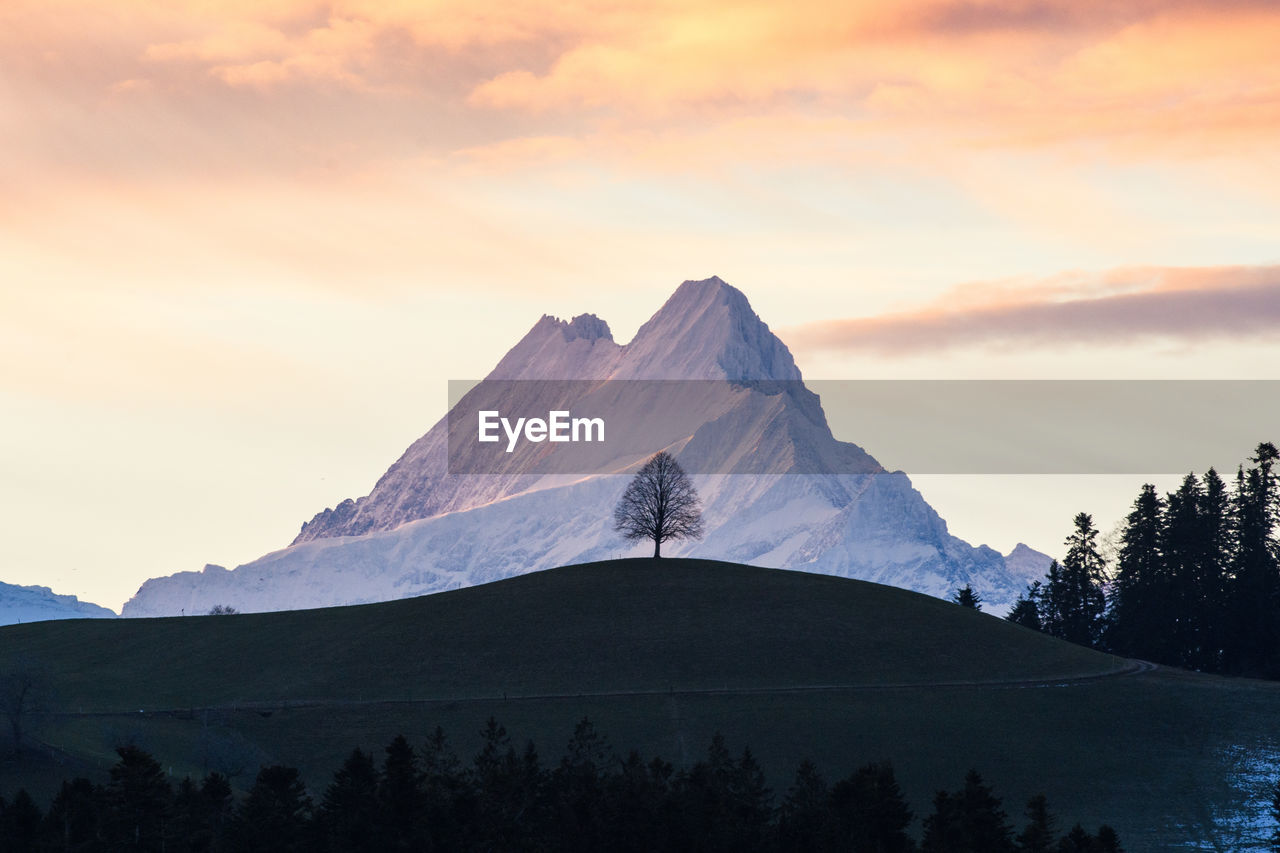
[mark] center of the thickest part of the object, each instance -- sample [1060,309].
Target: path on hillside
[266,708]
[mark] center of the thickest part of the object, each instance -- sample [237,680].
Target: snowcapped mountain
[1027,563]
[39,603]
[777,488]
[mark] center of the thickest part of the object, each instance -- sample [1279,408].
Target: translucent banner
[583,427]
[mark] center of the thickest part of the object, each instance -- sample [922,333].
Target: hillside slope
[635,624]
[661,656]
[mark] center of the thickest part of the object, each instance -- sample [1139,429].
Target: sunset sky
[244,245]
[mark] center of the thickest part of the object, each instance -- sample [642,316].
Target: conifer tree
[348,817]
[72,820]
[1139,603]
[1026,610]
[274,816]
[20,823]
[401,800]
[508,784]
[966,597]
[186,813]
[703,796]
[969,821]
[1055,602]
[1076,841]
[578,791]
[640,810]
[1107,841]
[218,807]
[1038,835]
[944,829]
[750,802]
[138,799]
[723,804]
[1253,645]
[1211,577]
[451,804]
[871,813]
[1076,603]
[986,824]
[804,818]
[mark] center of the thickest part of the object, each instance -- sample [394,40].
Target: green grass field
[661,655]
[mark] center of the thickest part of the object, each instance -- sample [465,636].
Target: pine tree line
[1196,581]
[426,799]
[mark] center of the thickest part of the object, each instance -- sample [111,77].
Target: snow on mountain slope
[423,529]
[1027,563]
[706,330]
[39,603]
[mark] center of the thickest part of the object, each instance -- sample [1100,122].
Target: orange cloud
[147,86]
[989,73]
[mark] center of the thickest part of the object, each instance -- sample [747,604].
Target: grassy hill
[661,655]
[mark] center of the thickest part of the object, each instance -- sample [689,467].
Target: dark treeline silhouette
[426,799]
[966,597]
[1196,581]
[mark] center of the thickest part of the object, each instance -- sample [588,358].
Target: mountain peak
[581,348]
[699,295]
[1027,563]
[587,327]
[708,330]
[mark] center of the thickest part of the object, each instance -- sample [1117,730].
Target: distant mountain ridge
[39,603]
[423,529]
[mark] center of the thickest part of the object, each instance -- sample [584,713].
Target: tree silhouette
[73,818]
[870,811]
[401,797]
[966,597]
[1026,610]
[275,815]
[22,687]
[659,504]
[805,820]
[138,800]
[970,820]
[348,818]
[1038,835]
[1141,606]
[1074,603]
[507,802]
[1253,646]
[20,823]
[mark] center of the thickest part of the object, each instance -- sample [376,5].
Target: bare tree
[659,504]
[22,686]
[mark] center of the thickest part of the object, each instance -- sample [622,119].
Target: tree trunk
[657,548]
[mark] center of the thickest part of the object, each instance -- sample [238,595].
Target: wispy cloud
[1116,307]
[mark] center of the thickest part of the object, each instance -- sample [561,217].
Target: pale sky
[243,246]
